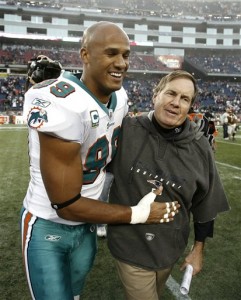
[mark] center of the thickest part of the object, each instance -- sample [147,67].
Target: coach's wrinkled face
[171,105]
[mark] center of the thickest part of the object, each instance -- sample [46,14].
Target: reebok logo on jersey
[41,103]
[94,115]
[52,238]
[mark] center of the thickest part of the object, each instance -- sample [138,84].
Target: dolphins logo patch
[36,117]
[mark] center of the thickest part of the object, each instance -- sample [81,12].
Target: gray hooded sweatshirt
[183,161]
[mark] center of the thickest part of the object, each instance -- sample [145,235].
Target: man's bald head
[98,31]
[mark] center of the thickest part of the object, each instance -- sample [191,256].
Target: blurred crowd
[214,96]
[207,10]
[209,62]
[12,89]
[69,57]
[215,62]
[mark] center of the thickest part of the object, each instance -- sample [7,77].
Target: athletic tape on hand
[141,211]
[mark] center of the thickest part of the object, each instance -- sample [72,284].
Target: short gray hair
[172,76]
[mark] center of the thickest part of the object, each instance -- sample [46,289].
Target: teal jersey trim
[113,98]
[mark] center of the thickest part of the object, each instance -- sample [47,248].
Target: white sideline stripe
[229,142]
[13,127]
[227,165]
[174,287]
[236,177]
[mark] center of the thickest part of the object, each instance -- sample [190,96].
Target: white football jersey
[65,108]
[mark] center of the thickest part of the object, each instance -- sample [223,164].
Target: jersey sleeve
[56,117]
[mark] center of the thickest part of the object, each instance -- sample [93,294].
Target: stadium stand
[207,10]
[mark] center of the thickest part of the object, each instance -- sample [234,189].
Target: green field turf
[221,275]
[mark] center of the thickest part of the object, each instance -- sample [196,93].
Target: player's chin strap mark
[66,203]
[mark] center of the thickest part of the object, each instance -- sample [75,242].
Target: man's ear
[84,55]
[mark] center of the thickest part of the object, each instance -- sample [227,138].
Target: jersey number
[62,89]
[96,158]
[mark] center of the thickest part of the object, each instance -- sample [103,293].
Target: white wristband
[141,211]
[147,199]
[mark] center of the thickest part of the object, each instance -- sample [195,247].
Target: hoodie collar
[166,133]
[182,134]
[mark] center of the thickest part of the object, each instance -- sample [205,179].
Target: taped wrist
[141,211]
[57,206]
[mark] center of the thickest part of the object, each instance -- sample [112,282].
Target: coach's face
[171,105]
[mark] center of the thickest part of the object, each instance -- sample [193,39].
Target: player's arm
[62,173]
